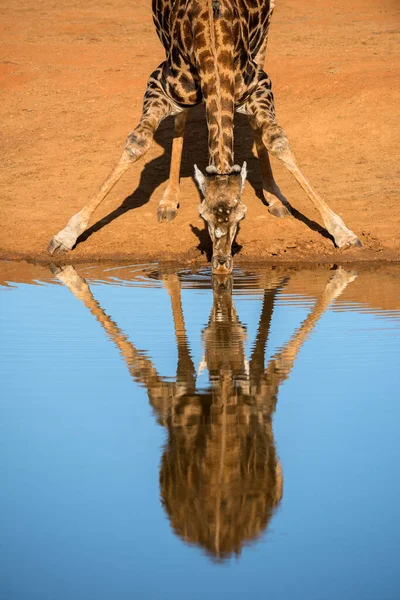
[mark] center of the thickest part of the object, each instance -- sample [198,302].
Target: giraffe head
[222,209]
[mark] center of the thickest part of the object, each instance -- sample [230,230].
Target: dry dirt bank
[72,77]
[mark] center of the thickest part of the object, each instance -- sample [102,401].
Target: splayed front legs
[342,235]
[268,134]
[155,108]
[65,239]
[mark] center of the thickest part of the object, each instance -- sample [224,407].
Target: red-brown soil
[72,77]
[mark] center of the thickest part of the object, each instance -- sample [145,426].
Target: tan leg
[260,108]
[168,204]
[140,367]
[65,239]
[155,108]
[277,203]
[282,363]
[343,236]
[185,373]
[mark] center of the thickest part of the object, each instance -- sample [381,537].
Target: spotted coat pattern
[214,53]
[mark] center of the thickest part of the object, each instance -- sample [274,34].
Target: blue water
[121,478]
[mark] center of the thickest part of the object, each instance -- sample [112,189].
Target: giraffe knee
[137,144]
[276,142]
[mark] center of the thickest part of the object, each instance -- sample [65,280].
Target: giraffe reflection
[220,476]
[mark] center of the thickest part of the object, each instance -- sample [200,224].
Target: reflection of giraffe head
[224,336]
[220,477]
[222,209]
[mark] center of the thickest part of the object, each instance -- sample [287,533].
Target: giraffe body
[215,52]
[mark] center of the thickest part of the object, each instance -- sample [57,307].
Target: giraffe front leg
[65,239]
[260,107]
[169,203]
[155,108]
[278,145]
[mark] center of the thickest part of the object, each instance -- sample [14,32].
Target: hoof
[165,213]
[55,269]
[279,210]
[350,243]
[70,278]
[56,247]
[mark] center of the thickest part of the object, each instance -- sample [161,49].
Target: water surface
[164,435]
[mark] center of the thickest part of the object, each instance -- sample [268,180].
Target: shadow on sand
[195,151]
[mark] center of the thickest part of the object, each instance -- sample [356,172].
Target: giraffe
[220,477]
[215,52]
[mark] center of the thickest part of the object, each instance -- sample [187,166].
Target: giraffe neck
[214,52]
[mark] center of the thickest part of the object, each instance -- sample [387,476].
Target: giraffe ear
[200,179]
[243,174]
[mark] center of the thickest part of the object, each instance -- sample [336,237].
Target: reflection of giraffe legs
[220,476]
[168,204]
[260,107]
[277,203]
[139,365]
[282,363]
[161,393]
[185,370]
[155,108]
[257,360]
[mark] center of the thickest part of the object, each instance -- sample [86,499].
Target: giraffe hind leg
[168,205]
[155,108]
[277,203]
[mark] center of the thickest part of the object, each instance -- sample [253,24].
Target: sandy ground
[72,78]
